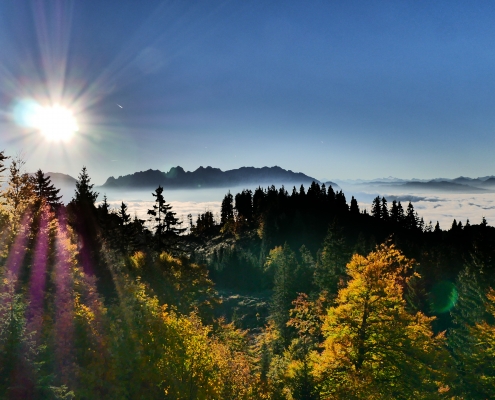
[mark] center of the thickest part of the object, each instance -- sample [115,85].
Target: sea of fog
[439,207]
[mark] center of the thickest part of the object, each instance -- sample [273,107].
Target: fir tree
[124,233]
[411,220]
[330,266]
[400,213]
[44,189]
[354,209]
[84,195]
[282,261]
[227,209]
[376,208]
[384,211]
[394,212]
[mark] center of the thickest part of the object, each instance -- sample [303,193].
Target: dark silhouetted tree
[384,211]
[44,189]
[376,208]
[227,209]
[411,220]
[331,262]
[354,206]
[84,194]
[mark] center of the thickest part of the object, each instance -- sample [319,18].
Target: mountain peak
[209,177]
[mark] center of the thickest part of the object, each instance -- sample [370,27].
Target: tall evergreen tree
[124,232]
[354,209]
[227,209]
[376,208]
[401,216]
[44,189]
[330,266]
[162,216]
[244,205]
[283,262]
[411,220]
[384,211]
[84,194]
[159,211]
[394,212]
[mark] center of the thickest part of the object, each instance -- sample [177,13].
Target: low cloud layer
[447,207]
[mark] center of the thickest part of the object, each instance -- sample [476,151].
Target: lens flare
[56,123]
[443,297]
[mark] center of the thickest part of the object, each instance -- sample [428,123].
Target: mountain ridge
[208,177]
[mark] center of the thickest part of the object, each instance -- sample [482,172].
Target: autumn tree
[19,194]
[373,347]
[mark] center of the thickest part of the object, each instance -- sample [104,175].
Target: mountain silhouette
[208,177]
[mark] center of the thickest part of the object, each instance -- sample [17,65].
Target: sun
[56,123]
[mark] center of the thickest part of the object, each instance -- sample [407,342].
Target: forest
[290,294]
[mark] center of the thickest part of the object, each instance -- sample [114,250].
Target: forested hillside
[290,295]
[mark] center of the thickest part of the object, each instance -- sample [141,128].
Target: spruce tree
[283,262]
[227,209]
[400,213]
[332,259]
[124,233]
[44,189]
[162,216]
[84,195]
[384,210]
[394,212]
[354,206]
[376,208]
[159,211]
[411,218]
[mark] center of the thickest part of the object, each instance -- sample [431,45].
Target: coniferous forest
[291,294]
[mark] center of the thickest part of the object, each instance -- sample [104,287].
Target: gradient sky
[334,89]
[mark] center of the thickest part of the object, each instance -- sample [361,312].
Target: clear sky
[334,89]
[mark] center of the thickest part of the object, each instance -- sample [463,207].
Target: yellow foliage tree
[373,347]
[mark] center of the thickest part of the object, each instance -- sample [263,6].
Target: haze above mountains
[209,177]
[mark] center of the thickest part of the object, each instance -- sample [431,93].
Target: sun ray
[38,273]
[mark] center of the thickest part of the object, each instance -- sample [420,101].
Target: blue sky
[349,89]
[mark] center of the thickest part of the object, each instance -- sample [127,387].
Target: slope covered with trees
[96,304]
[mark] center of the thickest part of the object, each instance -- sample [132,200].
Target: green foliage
[282,260]
[330,268]
[373,347]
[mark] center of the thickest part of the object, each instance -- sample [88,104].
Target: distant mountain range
[444,185]
[178,178]
[209,177]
